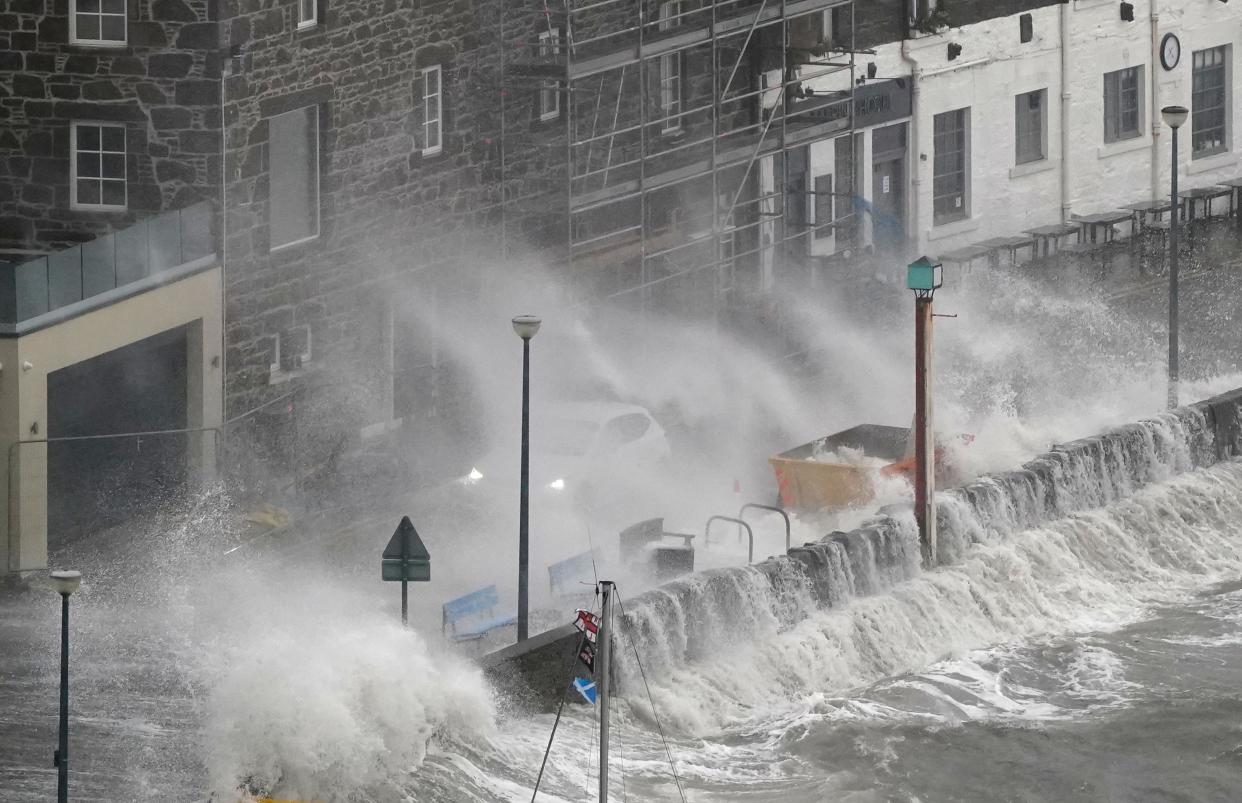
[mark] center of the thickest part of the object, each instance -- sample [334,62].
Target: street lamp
[923,277]
[525,326]
[1174,117]
[64,583]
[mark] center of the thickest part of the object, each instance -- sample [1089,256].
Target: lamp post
[64,583]
[525,326]
[1173,116]
[923,277]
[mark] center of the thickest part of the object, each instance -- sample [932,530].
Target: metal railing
[773,509]
[146,249]
[750,534]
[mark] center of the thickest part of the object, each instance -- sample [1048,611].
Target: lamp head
[526,326]
[1174,116]
[923,276]
[66,582]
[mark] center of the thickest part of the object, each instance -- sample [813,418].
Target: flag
[587,655]
[588,623]
[586,688]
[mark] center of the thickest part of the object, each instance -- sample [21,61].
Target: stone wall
[390,217]
[162,86]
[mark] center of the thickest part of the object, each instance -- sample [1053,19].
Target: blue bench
[567,577]
[473,616]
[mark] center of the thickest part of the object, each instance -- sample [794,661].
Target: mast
[602,683]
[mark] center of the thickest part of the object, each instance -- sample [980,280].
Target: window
[433,110]
[952,154]
[293,148]
[98,166]
[823,207]
[1030,126]
[549,93]
[624,429]
[670,72]
[308,13]
[97,22]
[1123,104]
[1209,102]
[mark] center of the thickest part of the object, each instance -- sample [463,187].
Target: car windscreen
[571,437]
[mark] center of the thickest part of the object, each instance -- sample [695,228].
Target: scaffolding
[666,142]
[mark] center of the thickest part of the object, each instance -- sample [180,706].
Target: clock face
[1170,51]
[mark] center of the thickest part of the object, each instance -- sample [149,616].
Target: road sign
[405,558]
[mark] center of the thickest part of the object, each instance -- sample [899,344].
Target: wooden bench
[473,616]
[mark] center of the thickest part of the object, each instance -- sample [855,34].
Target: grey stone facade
[389,216]
[161,86]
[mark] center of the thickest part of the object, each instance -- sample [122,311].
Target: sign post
[405,559]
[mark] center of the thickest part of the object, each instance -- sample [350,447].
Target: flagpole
[602,685]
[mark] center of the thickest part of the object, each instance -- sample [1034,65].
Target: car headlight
[474,476]
[557,484]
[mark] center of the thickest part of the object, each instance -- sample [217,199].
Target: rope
[660,728]
[569,671]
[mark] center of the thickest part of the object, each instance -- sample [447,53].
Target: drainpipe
[1066,97]
[1155,100]
[916,169]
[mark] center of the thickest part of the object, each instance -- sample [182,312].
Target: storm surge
[1070,540]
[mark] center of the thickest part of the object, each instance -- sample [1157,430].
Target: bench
[473,616]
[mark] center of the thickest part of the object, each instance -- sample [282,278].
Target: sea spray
[1092,570]
[335,710]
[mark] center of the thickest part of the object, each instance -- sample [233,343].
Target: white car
[578,449]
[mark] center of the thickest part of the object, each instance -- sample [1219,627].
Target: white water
[742,668]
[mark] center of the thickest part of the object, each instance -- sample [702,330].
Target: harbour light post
[923,277]
[1174,117]
[64,583]
[525,326]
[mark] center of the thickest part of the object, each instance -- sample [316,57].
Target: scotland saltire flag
[586,688]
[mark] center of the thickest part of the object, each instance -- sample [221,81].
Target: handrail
[750,553]
[774,509]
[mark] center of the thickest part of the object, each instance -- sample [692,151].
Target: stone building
[316,158]
[109,113]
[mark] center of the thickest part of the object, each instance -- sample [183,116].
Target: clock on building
[1170,51]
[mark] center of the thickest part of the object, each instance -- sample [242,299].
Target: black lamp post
[525,326]
[1174,117]
[64,583]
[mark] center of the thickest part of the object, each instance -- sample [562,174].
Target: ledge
[1032,168]
[1217,161]
[61,314]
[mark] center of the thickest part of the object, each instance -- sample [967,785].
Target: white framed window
[97,161]
[308,13]
[1209,103]
[433,110]
[951,170]
[293,197]
[1123,104]
[99,23]
[550,91]
[670,71]
[1030,126]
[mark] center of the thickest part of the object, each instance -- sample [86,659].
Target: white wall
[994,66]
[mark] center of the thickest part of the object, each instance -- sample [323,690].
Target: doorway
[888,188]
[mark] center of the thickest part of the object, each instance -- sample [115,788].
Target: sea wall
[681,620]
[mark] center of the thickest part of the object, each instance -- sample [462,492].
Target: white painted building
[1007,134]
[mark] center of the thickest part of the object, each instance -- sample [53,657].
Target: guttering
[1155,99]
[1066,99]
[913,148]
